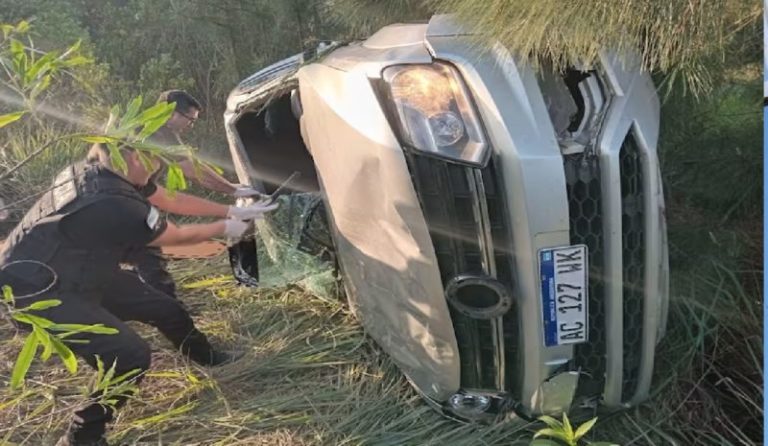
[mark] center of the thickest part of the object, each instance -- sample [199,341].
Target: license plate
[564,294]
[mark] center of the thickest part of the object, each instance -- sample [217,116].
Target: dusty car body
[500,230]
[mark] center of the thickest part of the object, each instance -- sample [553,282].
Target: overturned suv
[499,230]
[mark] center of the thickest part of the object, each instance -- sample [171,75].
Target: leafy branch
[108,389]
[564,433]
[52,337]
[28,73]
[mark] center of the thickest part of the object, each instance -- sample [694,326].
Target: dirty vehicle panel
[455,181]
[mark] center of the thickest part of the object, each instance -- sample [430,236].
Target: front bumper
[609,199]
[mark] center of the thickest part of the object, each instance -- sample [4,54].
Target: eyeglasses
[191,119]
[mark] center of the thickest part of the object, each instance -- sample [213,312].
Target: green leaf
[99,369]
[132,110]
[94,139]
[154,117]
[19,59]
[42,305]
[10,118]
[106,381]
[42,65]
[67,357]
[559,434]
[33,320]
[175,180]
[7,294]
[125,376]
[72,49]
[47,351]
[7,29]
[115,111]
[584,428]
[24,360]
[567,428]
[117,158]
[145,160]
[541,442]
[70,329]
[22,27]
[41,86]
[551,422]
[159,109]
[45,341]
[77,61]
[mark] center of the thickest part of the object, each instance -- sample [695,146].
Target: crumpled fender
[382,239]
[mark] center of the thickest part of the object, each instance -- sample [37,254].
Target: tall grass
[21,189]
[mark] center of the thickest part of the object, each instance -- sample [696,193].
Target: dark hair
[183,100]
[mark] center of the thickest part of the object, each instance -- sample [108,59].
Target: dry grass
[309,377]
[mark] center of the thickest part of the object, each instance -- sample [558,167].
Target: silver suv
[500,230]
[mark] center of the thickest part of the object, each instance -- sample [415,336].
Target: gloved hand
[244,191]
[234,229]
[251,212]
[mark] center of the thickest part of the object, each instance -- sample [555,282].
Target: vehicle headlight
[434,112]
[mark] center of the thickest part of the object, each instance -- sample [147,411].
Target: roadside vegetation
[310,376]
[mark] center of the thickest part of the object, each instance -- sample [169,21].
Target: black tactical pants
[127,299]
[152,267]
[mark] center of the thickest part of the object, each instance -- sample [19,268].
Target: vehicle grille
[585,205]
[587,227]
[446,196]
[633,262]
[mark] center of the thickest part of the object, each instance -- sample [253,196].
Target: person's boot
[69,440]
[88,425]
[219,357]
[197,348]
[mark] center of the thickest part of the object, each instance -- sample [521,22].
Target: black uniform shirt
[115,221]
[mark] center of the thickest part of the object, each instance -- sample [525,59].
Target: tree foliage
[364,17]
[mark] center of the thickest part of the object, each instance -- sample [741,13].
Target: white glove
[234,229]
[251,212]
[244,191]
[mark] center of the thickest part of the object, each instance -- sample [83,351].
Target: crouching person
[81,230]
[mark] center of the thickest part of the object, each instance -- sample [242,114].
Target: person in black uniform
[81,230]
[148,261]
